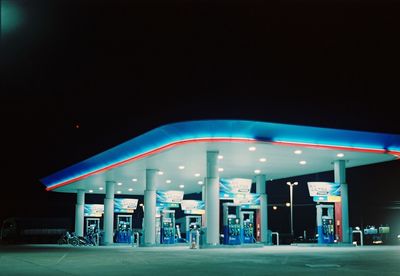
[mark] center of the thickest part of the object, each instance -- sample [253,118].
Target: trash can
[203,237]
[101,238]
[135,239]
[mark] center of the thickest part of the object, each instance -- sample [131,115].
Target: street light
[291,205]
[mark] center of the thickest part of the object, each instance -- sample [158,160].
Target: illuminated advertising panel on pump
[169,198]
[93,210]
[125,205]
[324,191]
[193,207]
[230,187]
[247,201]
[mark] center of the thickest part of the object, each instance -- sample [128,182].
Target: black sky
[120,68]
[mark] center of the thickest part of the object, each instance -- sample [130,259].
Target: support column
[109,213]
[340,177]
[150,208]
[212,199]
[204,198]
[261,189]
[79,212]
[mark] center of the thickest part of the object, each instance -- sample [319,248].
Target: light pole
[291,205]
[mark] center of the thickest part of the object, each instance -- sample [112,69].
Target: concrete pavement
[269,260]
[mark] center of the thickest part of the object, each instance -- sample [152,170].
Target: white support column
[109,213]
[204,198]
[261,189]
[150,208]
[340,177]
[79,212]
[212,199]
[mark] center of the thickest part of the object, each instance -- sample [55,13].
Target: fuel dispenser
[124,229]
[247,231]
[92,224]
[124,220]
[325,224]
[231,217]
[167,233]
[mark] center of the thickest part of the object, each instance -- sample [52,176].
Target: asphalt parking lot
[268,260]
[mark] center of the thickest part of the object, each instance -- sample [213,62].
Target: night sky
[78,77]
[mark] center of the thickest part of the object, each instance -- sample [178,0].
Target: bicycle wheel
[74,242]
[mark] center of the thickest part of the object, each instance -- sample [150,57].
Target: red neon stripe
[216,140]
[143,155]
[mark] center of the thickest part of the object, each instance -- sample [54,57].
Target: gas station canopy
[246,148]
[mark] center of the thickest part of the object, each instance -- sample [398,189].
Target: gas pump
[125,220]
[325,223]
[124,229]
[167,233]
[92,224]
[247,230]
[231,218]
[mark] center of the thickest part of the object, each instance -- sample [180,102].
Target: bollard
[361,236]
[277,237]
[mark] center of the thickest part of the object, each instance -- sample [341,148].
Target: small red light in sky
[76,126]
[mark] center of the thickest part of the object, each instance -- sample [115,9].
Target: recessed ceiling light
[118,192]
[200,182]
[168,181]
[220,157]
[274,207]
[130,189]
[196,174]
[220,169]
[257,171]
[340,155]
[303,162]
[90,191]
[263,159]
[181,167]
[119,183]
[252,148]
[134,179]
[298,152]
[181,186]
[160,173]
[101,188]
